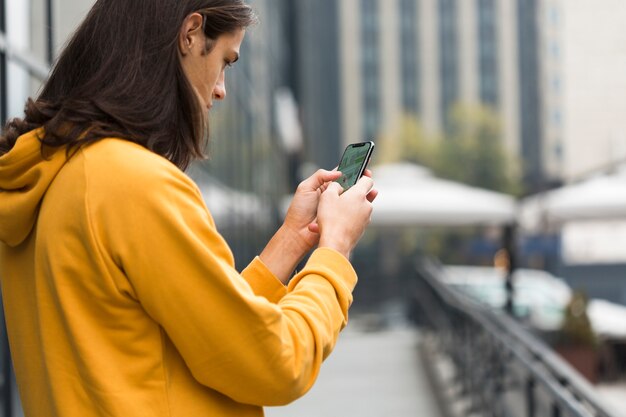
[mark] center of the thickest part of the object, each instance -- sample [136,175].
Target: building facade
[422,57]
[583,79]
[313,33]
[553,70]
[361,65]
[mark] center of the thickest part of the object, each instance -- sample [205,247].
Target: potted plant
[576,342]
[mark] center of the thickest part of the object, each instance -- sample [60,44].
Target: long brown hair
[120,76]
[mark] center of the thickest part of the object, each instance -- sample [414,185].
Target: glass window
[488,54]
[556,85]
[448,61]
[370,70]
[409,45]
[24,54]
[553,13]
[555,50]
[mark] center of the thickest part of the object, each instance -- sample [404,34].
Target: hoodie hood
[25,176]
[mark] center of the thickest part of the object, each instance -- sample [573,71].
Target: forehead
[231,41]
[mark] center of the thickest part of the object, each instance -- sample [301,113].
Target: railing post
[530,397]
[510,248]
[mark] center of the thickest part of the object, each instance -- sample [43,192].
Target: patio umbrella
[410,195]
[598,198]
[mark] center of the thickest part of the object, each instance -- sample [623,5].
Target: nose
[219,91]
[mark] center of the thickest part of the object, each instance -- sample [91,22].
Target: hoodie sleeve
[263,282]
[253,340]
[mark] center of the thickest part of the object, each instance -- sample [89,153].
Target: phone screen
[353,163]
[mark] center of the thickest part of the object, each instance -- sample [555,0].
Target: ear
[191,36]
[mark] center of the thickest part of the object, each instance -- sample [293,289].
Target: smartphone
[353,163]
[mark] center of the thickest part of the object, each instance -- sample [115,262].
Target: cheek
[213,78]
[204,85]
[198,80]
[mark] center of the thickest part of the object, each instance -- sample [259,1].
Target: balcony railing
[499,367]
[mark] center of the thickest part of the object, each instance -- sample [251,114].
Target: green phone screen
[352,163]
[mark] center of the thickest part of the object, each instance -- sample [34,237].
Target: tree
[472,151]
[408,143]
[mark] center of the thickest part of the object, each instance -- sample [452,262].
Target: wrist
[283,252]
[338,246]
[296,238]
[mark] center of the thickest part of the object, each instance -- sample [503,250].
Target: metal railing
[500,367]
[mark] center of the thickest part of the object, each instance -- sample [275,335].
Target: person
[121,297]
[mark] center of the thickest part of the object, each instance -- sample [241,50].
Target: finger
[367,173]
[326,176]
[365,185]
[314,228]
[319,178]
[371,196]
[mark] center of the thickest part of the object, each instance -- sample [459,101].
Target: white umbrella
[598,198]
[607,318]
[410,195]
[231,207]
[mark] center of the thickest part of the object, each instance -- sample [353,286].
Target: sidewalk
[370,374]
[614,396]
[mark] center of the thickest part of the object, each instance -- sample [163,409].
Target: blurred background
[500,131]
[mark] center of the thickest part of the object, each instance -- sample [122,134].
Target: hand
[371,196]
[300,232]
[302,211]
[343,217]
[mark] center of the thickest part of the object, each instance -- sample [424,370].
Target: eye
[229,61]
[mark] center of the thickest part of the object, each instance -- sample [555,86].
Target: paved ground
[370,374]
[614,396]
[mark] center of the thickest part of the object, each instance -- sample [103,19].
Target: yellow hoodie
[121,297]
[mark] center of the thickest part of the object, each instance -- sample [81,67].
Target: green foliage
[408,143]
[471,151]
[576,328]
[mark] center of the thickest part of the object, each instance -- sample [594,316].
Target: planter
[582,358]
